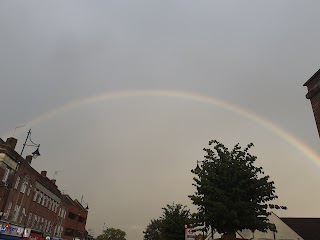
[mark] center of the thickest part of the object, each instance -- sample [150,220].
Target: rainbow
[191,96]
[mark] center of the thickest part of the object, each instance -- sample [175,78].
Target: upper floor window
[29,220]
[8,210]
[40,198]
[6,175]
[43,200]
[35,195]
[17,183]
[24,187]
[72,216]
[29,190]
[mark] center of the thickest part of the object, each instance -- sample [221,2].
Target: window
[8,210]
[45,225]
[49,226]
[22,215]
[41,223]
[17,183]
[72,216]
[34,222]
[69,232]
[47,202]
[24,187]
[61,230]
[35,195]
[40,198]
[15,213]
[29,190]
[6,175]
[29,220]
[43,200]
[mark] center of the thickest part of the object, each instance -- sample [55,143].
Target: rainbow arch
[191,96]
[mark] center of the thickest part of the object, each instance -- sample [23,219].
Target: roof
[68,200]
[307,228]
[310,79]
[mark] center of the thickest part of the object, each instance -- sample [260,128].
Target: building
[284,231]
[31,204]
[76,219]
[313,85]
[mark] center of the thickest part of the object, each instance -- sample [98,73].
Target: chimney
[44,173]
[54,181]
[12,142]
[29,159]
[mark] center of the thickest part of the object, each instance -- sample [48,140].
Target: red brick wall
[315,99]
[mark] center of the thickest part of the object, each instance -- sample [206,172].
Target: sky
[124,95]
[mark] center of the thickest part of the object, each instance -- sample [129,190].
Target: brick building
[313,85]
[30,202]
[76,219]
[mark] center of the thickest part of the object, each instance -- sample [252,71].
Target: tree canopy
[112,234]
[232,194]
[170,225]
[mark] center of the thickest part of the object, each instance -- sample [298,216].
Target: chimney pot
[44,173]
[29,159]
[12,142]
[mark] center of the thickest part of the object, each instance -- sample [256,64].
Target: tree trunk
[229,236]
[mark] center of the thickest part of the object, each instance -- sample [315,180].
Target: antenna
[16,129]
[55,174]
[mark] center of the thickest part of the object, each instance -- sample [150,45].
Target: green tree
[170,225]
[112,234]
[232,194]
[153,230]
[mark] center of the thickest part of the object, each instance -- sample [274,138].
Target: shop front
[33,236]
[11,232]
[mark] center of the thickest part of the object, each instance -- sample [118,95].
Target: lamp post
[36,153]
[10,184]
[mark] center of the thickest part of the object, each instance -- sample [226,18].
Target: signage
[12,230]
[27,232]
[189,234]
[35,236]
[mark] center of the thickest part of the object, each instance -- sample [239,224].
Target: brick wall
[313,85]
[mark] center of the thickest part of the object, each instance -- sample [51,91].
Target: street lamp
[36,153]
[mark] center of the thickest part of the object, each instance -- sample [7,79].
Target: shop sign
[189,234]
[27,232]
[35,236]
[12,230]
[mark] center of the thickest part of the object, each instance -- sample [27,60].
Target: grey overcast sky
[130,156]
